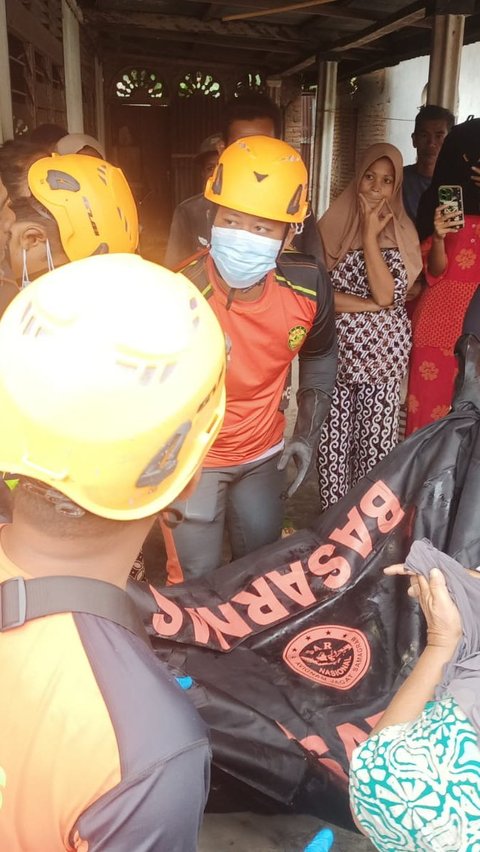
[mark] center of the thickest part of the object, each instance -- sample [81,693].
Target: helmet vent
[31,325]
[167,372]
[260,177]
[145,374]
[102,248]
[294,205]
[61,180]
[102,175]
[218,182]
[194,307]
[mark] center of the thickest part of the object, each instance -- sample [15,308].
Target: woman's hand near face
[373,219]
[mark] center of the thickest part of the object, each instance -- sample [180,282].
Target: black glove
[467,383]
[313,407]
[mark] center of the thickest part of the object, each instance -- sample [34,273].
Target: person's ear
[25,236]
[28,235]
[414,140]
[291,231]
[33,236]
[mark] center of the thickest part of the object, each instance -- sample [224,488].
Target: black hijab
[451,167]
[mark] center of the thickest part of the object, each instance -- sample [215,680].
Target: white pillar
[73,69]
[324,129]
[99,101]
[6,114]
[445,59]
[274,89]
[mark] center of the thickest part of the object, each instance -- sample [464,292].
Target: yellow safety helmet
[262,176]
[90,201]
[111,384]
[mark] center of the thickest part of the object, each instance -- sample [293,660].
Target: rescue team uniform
[240,484]
[100,748]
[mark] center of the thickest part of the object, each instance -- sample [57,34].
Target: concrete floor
[246,832]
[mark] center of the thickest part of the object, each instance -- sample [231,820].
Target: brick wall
[293,123]
[360,120]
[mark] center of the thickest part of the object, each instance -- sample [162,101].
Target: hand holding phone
[450,197]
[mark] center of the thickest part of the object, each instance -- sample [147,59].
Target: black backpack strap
[23,600]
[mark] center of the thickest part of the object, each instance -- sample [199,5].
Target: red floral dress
[437,325]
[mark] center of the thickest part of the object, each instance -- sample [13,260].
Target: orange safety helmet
[262,176]
[90,201]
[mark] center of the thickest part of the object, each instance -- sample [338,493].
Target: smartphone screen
[451,195]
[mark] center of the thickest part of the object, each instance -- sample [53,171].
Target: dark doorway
[140,145]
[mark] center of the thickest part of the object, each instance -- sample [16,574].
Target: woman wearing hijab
[414,784]
[452,270]
[373,255]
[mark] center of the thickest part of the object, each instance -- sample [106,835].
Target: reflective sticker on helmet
[165,461]
[61,180]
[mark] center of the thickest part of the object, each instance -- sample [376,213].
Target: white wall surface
[404,92]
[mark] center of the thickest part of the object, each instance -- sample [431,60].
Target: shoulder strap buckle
[13,603]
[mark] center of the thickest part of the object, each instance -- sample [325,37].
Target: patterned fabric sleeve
[398,271]
[416,786]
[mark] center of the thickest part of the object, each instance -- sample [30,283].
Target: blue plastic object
[185,682]
[322,842]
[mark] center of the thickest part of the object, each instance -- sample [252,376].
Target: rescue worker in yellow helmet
[79,206]
[272,306]
[111,391]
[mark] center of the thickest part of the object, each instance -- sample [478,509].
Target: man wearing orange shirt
[271,308]
[111,392]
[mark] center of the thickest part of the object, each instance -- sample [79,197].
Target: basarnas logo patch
[331,655]
[296,336]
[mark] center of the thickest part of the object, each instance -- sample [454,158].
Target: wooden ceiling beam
[120,58]
[161,40]
[298,6]
[412,14]
[393,23]
[194,26]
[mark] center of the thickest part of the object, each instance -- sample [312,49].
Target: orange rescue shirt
[293,315]
[97,741]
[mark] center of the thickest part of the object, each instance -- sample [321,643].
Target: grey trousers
[244,500]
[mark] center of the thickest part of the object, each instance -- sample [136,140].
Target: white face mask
[242,258]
